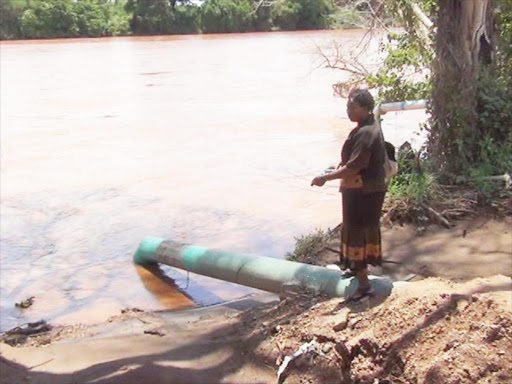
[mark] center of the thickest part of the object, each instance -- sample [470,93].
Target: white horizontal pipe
[401,106]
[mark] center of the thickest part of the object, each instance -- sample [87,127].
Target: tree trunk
[464,43]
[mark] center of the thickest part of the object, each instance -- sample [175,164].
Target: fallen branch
[456,212]
[43,363]
[436,216]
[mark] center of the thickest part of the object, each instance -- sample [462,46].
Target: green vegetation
[162,17]
[412,184]
[227,16]
[307,246]
[62,18]
[76,18]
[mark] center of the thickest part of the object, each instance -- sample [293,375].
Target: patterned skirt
[360,233]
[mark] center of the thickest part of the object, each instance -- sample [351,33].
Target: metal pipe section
[381,109]
[265,273]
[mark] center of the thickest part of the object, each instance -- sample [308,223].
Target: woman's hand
[319,181]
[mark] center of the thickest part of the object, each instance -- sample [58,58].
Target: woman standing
[363,186]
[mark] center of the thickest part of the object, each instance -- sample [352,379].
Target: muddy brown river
[208,140]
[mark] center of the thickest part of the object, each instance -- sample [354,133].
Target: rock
[342,320]
[326,347]
[493,333]
[25,303]
[128,310]
[156,331]
[340,326]
[353,322]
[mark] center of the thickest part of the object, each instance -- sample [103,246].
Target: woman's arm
[359,158]
[338,174]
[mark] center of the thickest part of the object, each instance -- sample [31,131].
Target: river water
[208,140]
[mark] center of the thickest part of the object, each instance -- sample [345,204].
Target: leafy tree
[315,14]
[227,16]
[150,16]
[163,16]
[50,18]
[10,13]
[118,19]
[92,18]
[262,18]
[286,15]
[70,18]
[187,19]
[303,14]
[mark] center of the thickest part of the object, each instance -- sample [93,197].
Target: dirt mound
[429,331]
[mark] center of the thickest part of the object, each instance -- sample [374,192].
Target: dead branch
[436,216]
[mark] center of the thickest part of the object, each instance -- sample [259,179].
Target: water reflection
[163,287]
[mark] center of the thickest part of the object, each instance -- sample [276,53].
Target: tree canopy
[91,18]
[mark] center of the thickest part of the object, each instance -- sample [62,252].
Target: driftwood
[436,216]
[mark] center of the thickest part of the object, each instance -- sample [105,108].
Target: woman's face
[356,112]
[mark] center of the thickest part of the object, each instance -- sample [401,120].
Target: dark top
[364,151]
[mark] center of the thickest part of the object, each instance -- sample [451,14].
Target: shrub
[307,246]
[412,184]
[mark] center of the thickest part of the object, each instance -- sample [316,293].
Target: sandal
[347,273]
[360,293]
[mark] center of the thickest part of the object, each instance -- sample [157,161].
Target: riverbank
[474,247]
[429,331]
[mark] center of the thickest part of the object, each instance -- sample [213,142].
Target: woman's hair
[362,97]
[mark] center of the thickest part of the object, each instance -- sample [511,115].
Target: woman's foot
[345,273]
[362,292]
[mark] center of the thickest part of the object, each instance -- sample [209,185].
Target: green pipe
[265,273]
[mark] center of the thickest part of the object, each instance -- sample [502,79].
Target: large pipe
[381,109]
[265,273]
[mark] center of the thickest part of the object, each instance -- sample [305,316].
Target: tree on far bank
[50,19]
[10,14]
[152,17]
[302,14]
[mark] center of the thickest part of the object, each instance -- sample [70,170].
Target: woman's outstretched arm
[341,173]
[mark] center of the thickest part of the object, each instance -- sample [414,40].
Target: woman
[363,186]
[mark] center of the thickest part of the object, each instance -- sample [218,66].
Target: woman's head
[360,105]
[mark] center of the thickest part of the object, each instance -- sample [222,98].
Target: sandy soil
[428,331]
[474,247]
[431,331]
